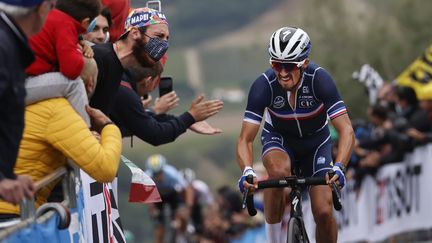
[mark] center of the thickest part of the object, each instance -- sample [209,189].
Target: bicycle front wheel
[295,232]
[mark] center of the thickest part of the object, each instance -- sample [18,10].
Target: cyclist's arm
[259,97]
[189,196]
[325,90]
[346,142]
[245,144]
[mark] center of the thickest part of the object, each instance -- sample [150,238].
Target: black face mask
[156,48]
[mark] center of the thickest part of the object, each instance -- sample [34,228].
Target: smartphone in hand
[154,4]
[165,86]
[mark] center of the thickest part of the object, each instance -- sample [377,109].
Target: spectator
[143,26]
[130,116]
[56,45]
[100,33]
[171,186]
[375,146]
[56,48]
[119,10]
[387,96]
[425,98]
[230,206]
[18,21]
[410,115]
[54,131]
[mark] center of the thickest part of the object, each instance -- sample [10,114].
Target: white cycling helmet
[289,44]
[156,162]
[188,174]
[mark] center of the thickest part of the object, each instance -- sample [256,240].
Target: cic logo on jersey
[306,101]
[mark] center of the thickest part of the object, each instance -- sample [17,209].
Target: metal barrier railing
[29,215]
[27,206]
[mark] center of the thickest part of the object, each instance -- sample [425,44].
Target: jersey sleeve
[326,91]
[142,124]
[260,95]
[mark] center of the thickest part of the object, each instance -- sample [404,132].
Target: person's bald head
[89,75]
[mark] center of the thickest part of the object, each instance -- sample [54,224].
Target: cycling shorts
[312,156]
[170,198]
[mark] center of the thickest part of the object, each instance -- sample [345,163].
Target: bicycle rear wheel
[295,232]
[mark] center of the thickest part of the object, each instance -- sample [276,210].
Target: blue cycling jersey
[317,100]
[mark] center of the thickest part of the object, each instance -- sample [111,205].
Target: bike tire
[295,232]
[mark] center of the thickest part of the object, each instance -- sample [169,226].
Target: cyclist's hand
[243,184]
[338,177]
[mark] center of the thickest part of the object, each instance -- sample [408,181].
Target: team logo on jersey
[305,89]
[306,101]
[278,102]
[320,160]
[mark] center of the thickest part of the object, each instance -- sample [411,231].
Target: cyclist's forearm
[244,154]
[345,145]
[189,196]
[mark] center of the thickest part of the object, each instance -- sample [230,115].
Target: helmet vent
[295,46]
[273,44]
[283,45]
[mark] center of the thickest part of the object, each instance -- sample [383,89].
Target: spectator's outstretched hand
[98,119]
[14,191]
[201,109]
[165,103]
[204,128]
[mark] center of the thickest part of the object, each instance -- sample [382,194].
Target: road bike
[296,228]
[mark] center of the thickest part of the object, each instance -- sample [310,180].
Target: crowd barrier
[89,213]
[51,221]
[395,201]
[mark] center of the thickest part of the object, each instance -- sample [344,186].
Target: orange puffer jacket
[54,131]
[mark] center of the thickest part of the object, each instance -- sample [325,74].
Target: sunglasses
[287,66]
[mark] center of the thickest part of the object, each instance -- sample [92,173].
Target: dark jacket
[130,116]
[109,77]
[15,56]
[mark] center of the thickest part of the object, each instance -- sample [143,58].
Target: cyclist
[297,98]
[172,188]
[202,197]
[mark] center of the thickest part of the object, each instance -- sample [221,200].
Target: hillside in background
[217,47]
[195,21]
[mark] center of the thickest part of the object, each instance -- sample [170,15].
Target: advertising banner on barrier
[395,201]
[101,215]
